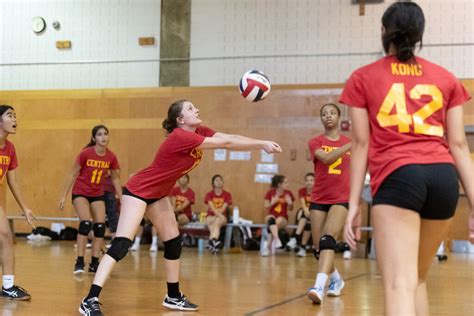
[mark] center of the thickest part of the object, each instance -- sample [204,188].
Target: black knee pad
[99,230]
[173,248]
[316,253]
[307,227]
[327,242]
[119,248]
[85,228]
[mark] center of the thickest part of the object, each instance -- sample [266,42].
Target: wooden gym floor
[232,284]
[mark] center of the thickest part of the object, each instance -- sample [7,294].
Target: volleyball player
[219,201]
[408,126]
[278,201]
[182,197]
[303,231]
[329,201]
[147,191]
[8,166]
[87,175]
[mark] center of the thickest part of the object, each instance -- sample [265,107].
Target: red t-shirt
[303,193]
[94,169]
[8,159]
[406,105]
[333,180]
[279,209]
[181,198]
[177,156]
[217,200]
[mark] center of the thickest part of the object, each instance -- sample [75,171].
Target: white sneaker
[154,248]
[292,243]
[108,246]
[316,294]
[265,252]
[335,287]
[135,247]
[346,255]
[301,252]
[89,245]
[278,243]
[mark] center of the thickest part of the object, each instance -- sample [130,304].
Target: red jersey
[279,209]
[217,200]
[8,159]
[333,180]
[181,197]
[303,193]
[177,155]
[406,105]
[94,169]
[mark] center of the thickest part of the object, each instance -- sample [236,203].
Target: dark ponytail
[404,25]
[276,180]
[174,111]
[4,108]
[94,132]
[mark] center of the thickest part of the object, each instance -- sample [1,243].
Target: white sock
[137,241]
[8,281]
[154,240]
[321,279]
[335,275]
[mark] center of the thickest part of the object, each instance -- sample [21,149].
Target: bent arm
[329,157]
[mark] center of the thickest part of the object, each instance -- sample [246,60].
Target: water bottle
[235,215]
[200,245]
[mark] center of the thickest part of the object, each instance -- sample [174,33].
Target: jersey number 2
[396,98]
[332,168]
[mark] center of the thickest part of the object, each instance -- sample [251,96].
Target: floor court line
[269,307]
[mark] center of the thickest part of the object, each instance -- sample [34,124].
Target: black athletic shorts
[325,207]
[125,191]
[91,199]
[432,190]
[300,214]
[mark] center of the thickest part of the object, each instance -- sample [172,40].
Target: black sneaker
[210,244]
[16,293]
[78,267]
[90,307]
[182,303]
[93,267]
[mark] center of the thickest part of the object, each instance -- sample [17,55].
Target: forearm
[117,186]
[17,195]
[330,157]
[358,169]
[68,185]
[465,169]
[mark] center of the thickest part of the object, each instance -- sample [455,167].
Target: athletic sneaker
[316,294]
[301,252]
[278,243]
[16,293]
[181,303]
[347,255]
[93,267]
[265,252]
[90,307]
[154,248]
[335,287]
[292,243]
[79,267]
[135,247]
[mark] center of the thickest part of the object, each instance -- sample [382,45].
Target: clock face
[38,24]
